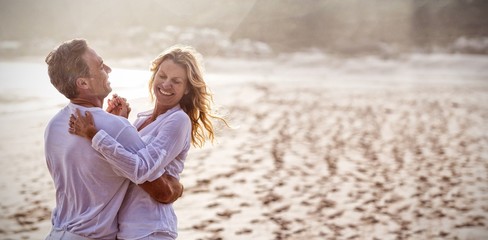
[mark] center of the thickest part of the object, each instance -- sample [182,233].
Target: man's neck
[87,102]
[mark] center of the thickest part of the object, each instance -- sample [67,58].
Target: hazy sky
[341,25]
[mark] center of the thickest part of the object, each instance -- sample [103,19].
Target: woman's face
[170,84]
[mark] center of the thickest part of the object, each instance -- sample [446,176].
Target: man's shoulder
[105,115]
[107,121]
[60,117]
[120,129]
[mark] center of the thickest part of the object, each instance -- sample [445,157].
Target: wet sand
[318,163]
[326,157]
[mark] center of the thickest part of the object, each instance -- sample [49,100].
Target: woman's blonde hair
[198,102]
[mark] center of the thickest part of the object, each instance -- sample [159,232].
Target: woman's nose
[166,84]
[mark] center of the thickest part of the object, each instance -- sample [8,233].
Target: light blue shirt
[89,191]
[167,141]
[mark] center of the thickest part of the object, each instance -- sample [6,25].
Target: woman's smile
[165,93]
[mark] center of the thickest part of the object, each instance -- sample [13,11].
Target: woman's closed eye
[176,81]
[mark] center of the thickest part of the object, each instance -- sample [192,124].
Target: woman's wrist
[90,133]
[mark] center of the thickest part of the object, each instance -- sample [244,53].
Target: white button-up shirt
[167,141]
[89,191]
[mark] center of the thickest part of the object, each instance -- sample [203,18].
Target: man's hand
[166,189]
[118,106]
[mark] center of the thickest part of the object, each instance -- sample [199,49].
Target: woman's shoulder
[180,114]
[175,113]
[178,118]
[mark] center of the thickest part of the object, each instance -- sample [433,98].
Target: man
[89,191]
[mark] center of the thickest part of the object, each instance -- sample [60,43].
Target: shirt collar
[170,111]
[73,107]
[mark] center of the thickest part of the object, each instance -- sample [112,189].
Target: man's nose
[108,69]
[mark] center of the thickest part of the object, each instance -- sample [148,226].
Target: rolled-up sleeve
[148,163]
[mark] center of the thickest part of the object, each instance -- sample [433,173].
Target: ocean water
[25,86]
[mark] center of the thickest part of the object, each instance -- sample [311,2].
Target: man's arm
[165,189]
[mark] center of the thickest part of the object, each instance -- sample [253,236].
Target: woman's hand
[83,126]
[118,106]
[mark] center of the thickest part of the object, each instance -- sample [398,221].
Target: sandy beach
[318,149]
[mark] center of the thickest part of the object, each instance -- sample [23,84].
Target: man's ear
[82,83]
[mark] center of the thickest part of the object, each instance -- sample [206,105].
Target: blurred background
[233,28]
[391,139]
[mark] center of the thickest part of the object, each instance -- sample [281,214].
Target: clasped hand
[118,106]
[84,126]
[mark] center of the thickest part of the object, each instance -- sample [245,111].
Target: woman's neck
[158,110]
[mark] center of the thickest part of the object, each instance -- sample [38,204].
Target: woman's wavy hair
[198,102]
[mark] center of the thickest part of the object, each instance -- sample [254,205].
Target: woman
[181,116]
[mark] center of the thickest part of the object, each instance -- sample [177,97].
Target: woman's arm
[148,163]
[165,189]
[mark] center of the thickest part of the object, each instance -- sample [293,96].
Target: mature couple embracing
[114,179]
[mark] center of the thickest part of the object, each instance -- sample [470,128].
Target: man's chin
[107,93]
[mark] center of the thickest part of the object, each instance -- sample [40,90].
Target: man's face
[98,79]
